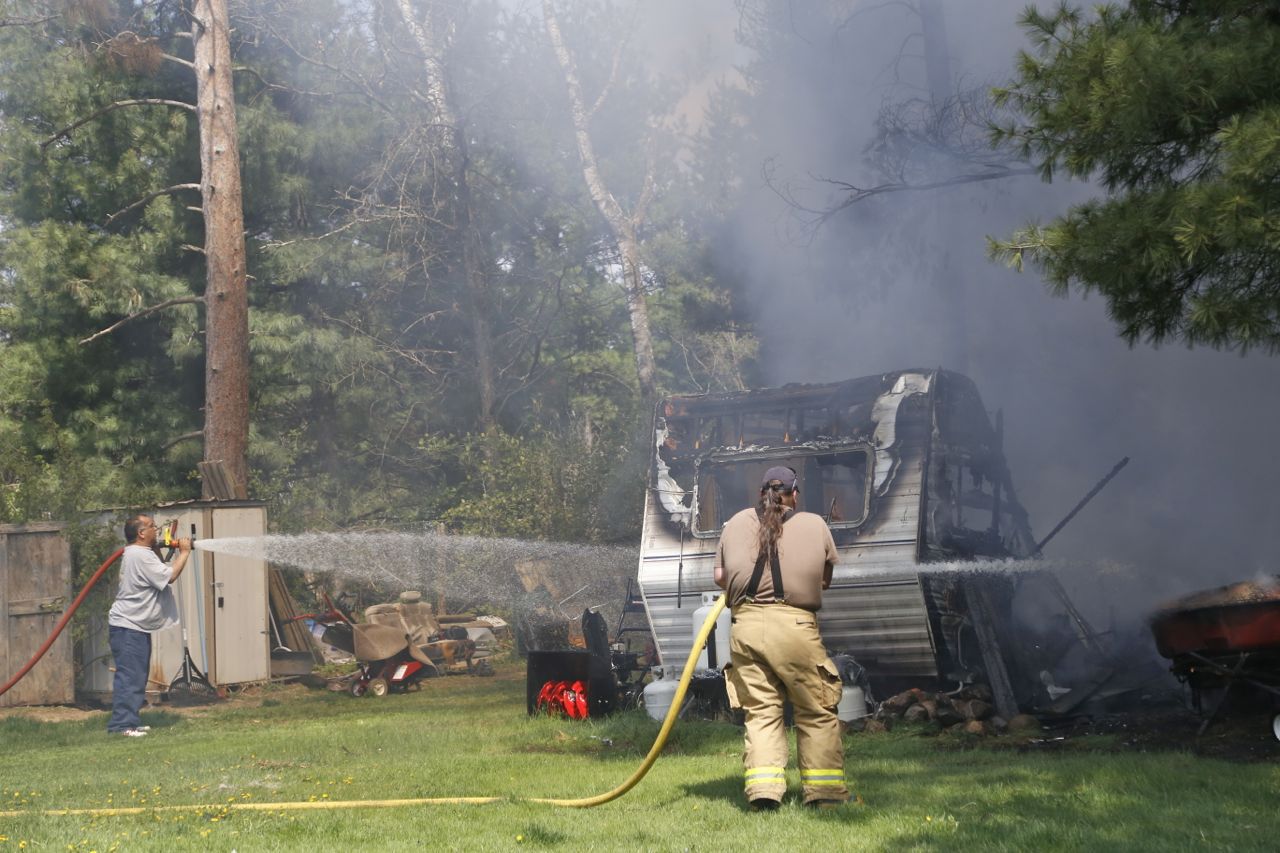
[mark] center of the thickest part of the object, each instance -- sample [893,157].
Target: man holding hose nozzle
[144,603]
[774,563]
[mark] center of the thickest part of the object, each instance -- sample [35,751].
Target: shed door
[239,602]
[35,587]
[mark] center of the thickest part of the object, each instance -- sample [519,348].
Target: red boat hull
[1238,618]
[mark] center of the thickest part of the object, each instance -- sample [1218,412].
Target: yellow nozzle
[169,534]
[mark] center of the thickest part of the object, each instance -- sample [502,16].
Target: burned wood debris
[967,711]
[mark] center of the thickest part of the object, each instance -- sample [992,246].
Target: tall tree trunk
[226,428]
[432,38]
[624,228]
[475,266]
[948,277]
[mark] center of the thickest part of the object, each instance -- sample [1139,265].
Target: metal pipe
[1101,483]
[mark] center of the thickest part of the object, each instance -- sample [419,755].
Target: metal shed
[35,589]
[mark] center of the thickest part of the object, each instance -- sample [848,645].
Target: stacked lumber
[285,613]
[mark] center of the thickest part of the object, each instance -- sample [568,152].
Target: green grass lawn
[464,736]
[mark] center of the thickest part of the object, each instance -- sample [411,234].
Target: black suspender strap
[775,569]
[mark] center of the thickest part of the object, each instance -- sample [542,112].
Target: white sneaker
[134,733]
[142,728]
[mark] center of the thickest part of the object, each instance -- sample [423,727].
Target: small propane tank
[853,704]
[659,693]
[717,640]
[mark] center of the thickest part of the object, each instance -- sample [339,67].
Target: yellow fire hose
[585,803]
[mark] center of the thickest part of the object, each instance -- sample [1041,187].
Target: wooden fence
[35,589]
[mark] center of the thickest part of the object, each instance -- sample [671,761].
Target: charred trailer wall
[876,607]
[970,512]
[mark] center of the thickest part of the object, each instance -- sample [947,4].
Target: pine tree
[79,251]
[1174,108]
[100,226]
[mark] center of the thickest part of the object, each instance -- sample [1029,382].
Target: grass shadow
[1053,801]
[728,789]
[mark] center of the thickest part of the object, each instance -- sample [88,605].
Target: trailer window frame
[805,461]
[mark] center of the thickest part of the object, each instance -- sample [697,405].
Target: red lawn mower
[400,645]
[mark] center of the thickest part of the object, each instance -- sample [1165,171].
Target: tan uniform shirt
[804,551]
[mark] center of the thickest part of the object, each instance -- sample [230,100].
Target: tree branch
[280,244]
[617,64]
[69,129]
[178,439]
[182,300]
[186,63]
[641,209]
[410,355]
[362,86]
[857,194]
[31,22]
[148,197]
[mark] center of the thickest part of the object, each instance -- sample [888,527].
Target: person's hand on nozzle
[184,546]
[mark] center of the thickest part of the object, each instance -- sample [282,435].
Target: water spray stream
[487,568]
[532,582]
[473,568]
[966,568]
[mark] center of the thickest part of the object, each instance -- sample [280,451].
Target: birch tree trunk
[622,226]
[226,409]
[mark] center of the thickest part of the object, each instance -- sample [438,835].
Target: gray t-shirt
[144,598]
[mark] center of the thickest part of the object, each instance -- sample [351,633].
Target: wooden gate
[35,589]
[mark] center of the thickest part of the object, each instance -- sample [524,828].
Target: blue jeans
[132,651]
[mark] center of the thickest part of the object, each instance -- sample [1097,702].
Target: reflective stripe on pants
[826,778]
[766,777]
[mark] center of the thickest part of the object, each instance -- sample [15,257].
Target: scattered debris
[402,642]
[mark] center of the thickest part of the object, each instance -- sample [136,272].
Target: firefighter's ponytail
[772,512]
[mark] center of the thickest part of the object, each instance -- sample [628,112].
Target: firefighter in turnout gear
[774,563]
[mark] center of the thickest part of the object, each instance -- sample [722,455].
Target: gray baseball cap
[781,474]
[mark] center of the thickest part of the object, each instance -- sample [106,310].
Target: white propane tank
[717,640]
[659,693]
[853,704]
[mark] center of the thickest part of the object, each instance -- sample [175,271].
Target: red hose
[62,623]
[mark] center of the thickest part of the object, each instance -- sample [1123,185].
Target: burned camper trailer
[907,469]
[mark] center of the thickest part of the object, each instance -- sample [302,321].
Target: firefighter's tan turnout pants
[777,654]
